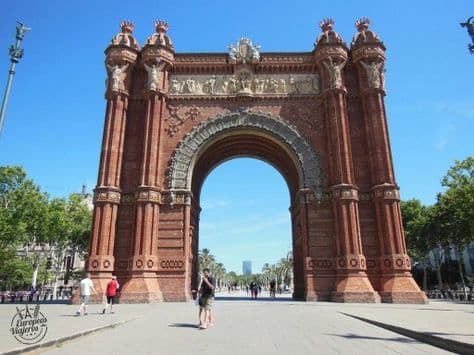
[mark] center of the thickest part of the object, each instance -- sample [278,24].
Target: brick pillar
[397,284]
[352,283]
[305,277]
[107,194]
[142,281]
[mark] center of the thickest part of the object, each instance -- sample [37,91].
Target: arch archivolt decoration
[188,151]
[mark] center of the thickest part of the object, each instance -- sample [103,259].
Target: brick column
[396,283]
[304,278]
[120,59]
[352,283]
[142,283]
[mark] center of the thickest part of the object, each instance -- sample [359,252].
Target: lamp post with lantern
[16,53]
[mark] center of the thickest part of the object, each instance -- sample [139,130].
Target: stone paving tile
[244,326]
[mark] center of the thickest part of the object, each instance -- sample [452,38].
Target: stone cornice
[219,62]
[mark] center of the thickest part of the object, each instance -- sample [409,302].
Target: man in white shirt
[86,286]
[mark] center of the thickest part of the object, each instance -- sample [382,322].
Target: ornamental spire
[328,35]
[125,37]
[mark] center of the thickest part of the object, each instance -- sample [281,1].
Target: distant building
[442,255]
[86,197]
[247,267]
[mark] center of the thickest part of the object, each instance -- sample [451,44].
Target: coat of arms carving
[244,52]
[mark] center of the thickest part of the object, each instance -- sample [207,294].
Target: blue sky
[55,117]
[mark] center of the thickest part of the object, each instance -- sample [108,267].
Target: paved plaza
[244,326]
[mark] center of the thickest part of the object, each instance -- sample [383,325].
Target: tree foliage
[449,223]
[31,222]
[455,207]
[23,208]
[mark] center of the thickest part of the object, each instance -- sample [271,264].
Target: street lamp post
[470,30]
[15,55]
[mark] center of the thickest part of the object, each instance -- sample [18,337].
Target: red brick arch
[318,117]
[245,133]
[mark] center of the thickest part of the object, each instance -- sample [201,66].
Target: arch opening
[245,217]
[250,143]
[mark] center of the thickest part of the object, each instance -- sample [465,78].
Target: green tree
[15,272]
[455,209]
[37,227]
[421,235]
[23,211]
[80,220]
[205,259]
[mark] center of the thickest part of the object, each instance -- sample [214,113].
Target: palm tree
[205,259]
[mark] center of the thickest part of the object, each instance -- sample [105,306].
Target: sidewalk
[62,321]
[259,327]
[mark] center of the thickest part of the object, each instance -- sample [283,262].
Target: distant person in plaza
[110,293]
[253,289]
[86,286]
[206,299]
[272,288]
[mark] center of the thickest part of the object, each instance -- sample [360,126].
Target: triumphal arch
[317,116]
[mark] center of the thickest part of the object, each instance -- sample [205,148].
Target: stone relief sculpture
[175,87]
[209,86]
[335,76]
[382,78]
[116,76]
[244,52]
[374,75]
[244,83]
[152,83]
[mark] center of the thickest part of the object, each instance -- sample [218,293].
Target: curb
[61,340]
[442,343]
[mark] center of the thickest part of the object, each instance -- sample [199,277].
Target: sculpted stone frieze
[244,83]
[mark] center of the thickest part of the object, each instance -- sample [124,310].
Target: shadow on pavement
[82,315]
[438,310]
[356,336]
[439,333]
[183,325]
[244,298]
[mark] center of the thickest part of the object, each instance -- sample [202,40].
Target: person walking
[85,286]
[206,299]
[272,289]
[253,289]
[110,293]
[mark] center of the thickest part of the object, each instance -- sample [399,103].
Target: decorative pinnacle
[326,24]
[127,26]
[362,24]
[161,26]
